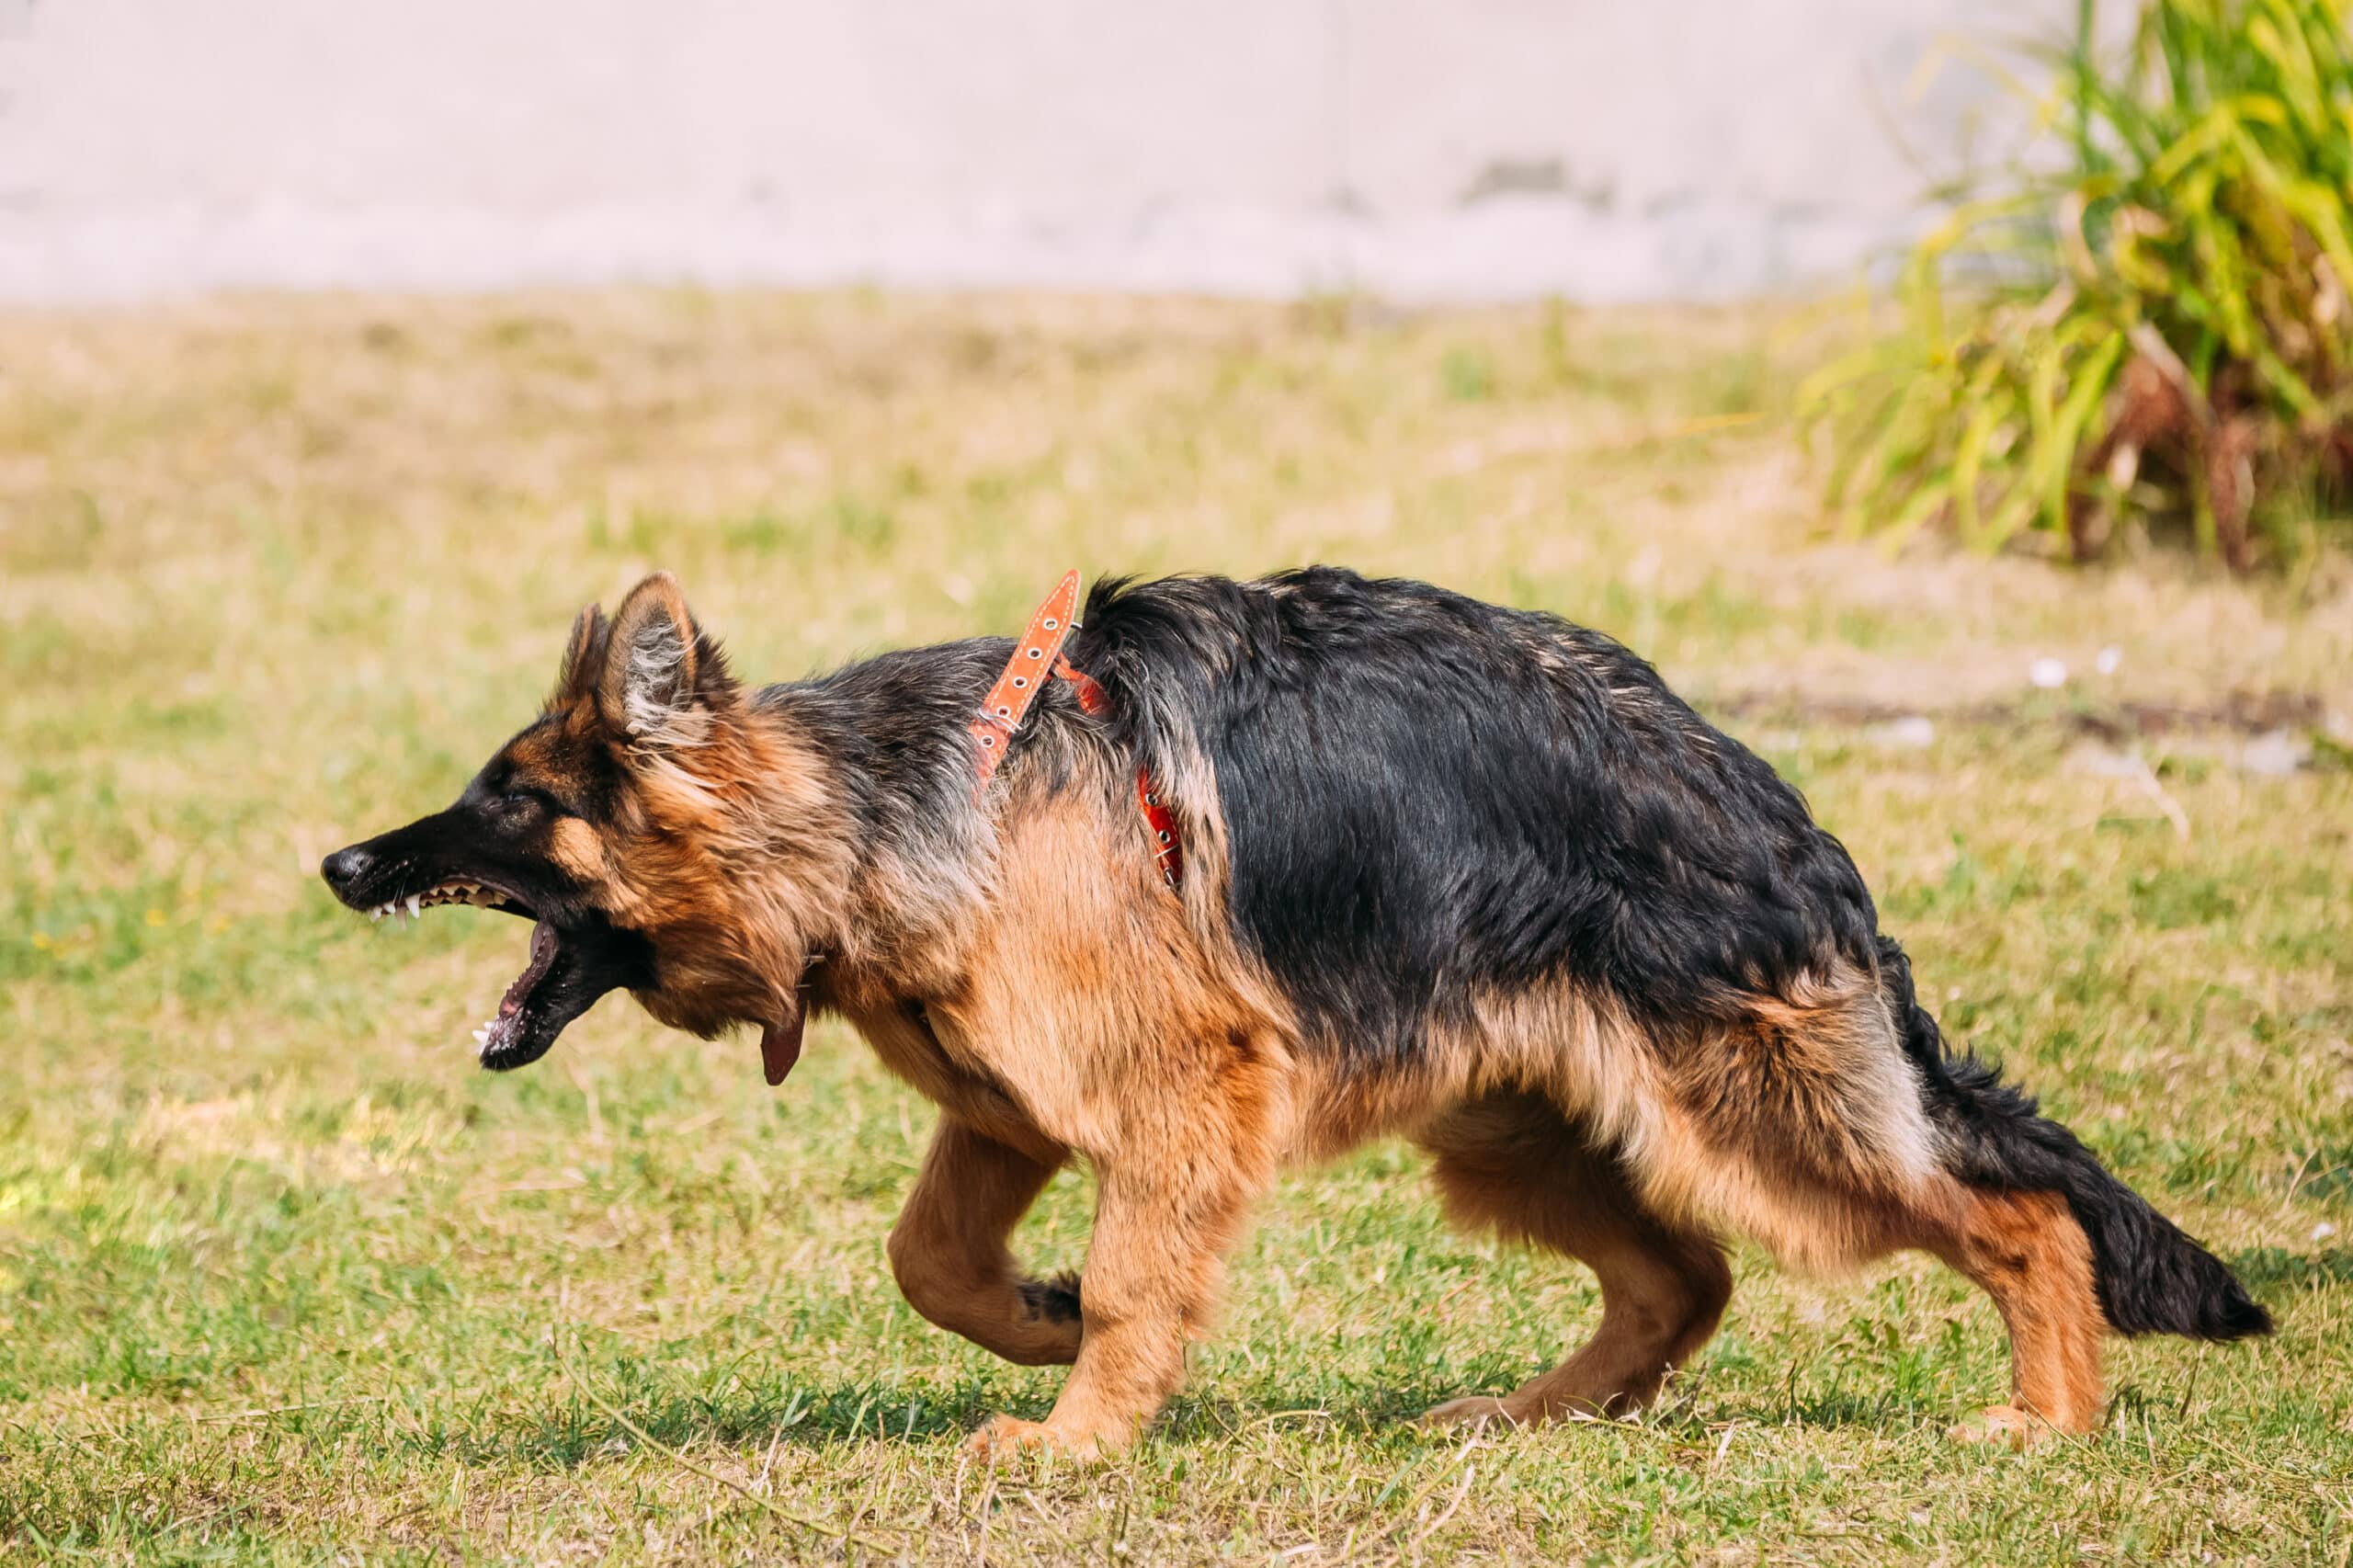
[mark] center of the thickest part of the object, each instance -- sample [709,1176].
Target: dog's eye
[523,805]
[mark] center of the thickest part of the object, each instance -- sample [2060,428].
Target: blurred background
[1954,400]
[1603,150]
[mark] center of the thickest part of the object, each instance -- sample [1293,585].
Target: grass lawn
[282,1278]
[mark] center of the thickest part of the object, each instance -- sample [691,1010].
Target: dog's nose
[345,866]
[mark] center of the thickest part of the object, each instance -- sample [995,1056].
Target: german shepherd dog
[1466,874]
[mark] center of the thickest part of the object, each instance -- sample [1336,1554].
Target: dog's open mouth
[500,1032]
[570,966]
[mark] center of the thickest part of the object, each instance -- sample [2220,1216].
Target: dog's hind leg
[1516,1163]
[1809,1127]
[2026,1251]
[949,1255]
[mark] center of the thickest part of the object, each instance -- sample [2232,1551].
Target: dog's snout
[345,866]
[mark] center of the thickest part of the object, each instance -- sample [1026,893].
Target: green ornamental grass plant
[2146,326]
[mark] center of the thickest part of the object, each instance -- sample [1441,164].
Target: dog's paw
[1003,1437]
[1475,1411]
[2004,1425]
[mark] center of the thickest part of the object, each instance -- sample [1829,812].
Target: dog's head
[606,823]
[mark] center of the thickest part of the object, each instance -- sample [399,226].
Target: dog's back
[1427,799]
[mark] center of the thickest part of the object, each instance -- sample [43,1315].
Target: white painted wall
[1603,149]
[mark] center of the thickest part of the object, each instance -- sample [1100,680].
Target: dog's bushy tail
[2151,1278]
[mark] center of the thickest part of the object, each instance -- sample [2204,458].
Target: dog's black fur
[1429,796]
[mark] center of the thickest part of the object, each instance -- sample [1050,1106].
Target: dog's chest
[904,1037]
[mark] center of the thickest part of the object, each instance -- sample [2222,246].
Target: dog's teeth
[482,1036]
[413,903]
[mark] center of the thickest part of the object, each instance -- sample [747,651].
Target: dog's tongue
[542,955]
[498,1033]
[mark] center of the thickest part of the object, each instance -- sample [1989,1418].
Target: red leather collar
[1038,655]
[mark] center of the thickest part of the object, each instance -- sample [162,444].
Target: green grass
[283,1278]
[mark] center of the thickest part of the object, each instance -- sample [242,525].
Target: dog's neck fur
[853,793]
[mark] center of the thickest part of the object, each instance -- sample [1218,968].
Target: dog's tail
[2151,1278]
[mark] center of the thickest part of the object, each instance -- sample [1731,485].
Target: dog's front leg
[949,1255]
[1165,1215]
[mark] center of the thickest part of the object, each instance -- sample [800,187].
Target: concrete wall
[1603,149]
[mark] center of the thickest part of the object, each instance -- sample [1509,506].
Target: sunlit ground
[282,1278]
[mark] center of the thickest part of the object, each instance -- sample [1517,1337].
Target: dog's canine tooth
[413,903]
[482,1036]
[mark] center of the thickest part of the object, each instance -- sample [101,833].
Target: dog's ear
[583,656]
[661,679]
